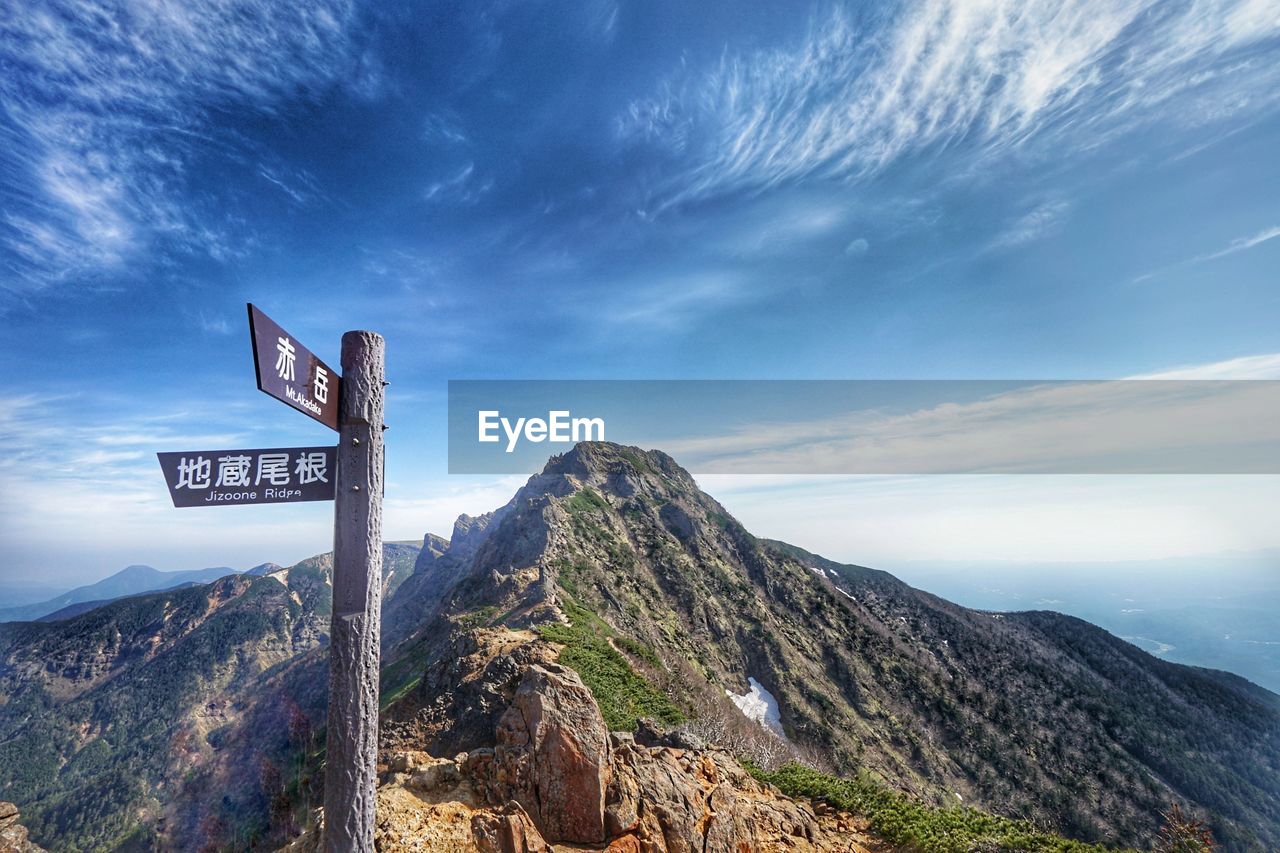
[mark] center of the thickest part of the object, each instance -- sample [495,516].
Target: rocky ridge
[556,776]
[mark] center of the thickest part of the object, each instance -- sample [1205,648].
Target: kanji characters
[285,359]
[195,473]
[234,470]
[311,468]
[274,468]
[320,385]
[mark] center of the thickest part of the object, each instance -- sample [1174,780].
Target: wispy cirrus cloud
[1239,244]
[460,187]
[855,95]
[675,302]
[1040,221]
[105,103]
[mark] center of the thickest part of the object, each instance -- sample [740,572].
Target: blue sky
[938,189]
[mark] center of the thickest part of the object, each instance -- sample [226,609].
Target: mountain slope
[85,606]
[132,580]
[170,718]
[1033,715]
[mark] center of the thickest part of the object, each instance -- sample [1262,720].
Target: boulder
[553,756]
[506,830]
[668,800]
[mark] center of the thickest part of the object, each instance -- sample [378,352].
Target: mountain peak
[136,571]
[615,468]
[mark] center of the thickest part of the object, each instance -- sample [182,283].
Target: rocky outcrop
[553,775]
[464,692]
[553,755]
[13,835]
[656,800]
[681,801]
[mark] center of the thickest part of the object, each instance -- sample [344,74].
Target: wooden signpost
[351,475]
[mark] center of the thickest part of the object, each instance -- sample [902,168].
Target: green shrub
[586,499]
[913,825]
[624,696]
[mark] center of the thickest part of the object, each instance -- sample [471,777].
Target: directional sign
[290,372]
[231,477]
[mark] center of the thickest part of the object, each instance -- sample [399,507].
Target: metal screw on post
[350,780]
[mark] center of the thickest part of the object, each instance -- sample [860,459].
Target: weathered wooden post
[350,780]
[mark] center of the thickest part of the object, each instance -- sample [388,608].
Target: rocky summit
[610,661]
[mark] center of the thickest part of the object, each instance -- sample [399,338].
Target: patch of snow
[759,704]
[845,594]
[1160,648]
[817,571]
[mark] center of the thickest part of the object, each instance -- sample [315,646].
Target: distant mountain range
[132,580]
[1220,611]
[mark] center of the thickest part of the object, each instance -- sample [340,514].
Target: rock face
[668,799]
[13,835]
[553,744]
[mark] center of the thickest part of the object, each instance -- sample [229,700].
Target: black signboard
[290,372]
[232,477]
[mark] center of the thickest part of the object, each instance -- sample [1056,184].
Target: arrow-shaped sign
[292,373]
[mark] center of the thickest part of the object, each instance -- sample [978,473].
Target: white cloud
[461,187]
[672,303]
[857,247]
[1265,366]
[105,101]
[1039,222]
[1239,244]
[435,509]
[884,521]
[853,97]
